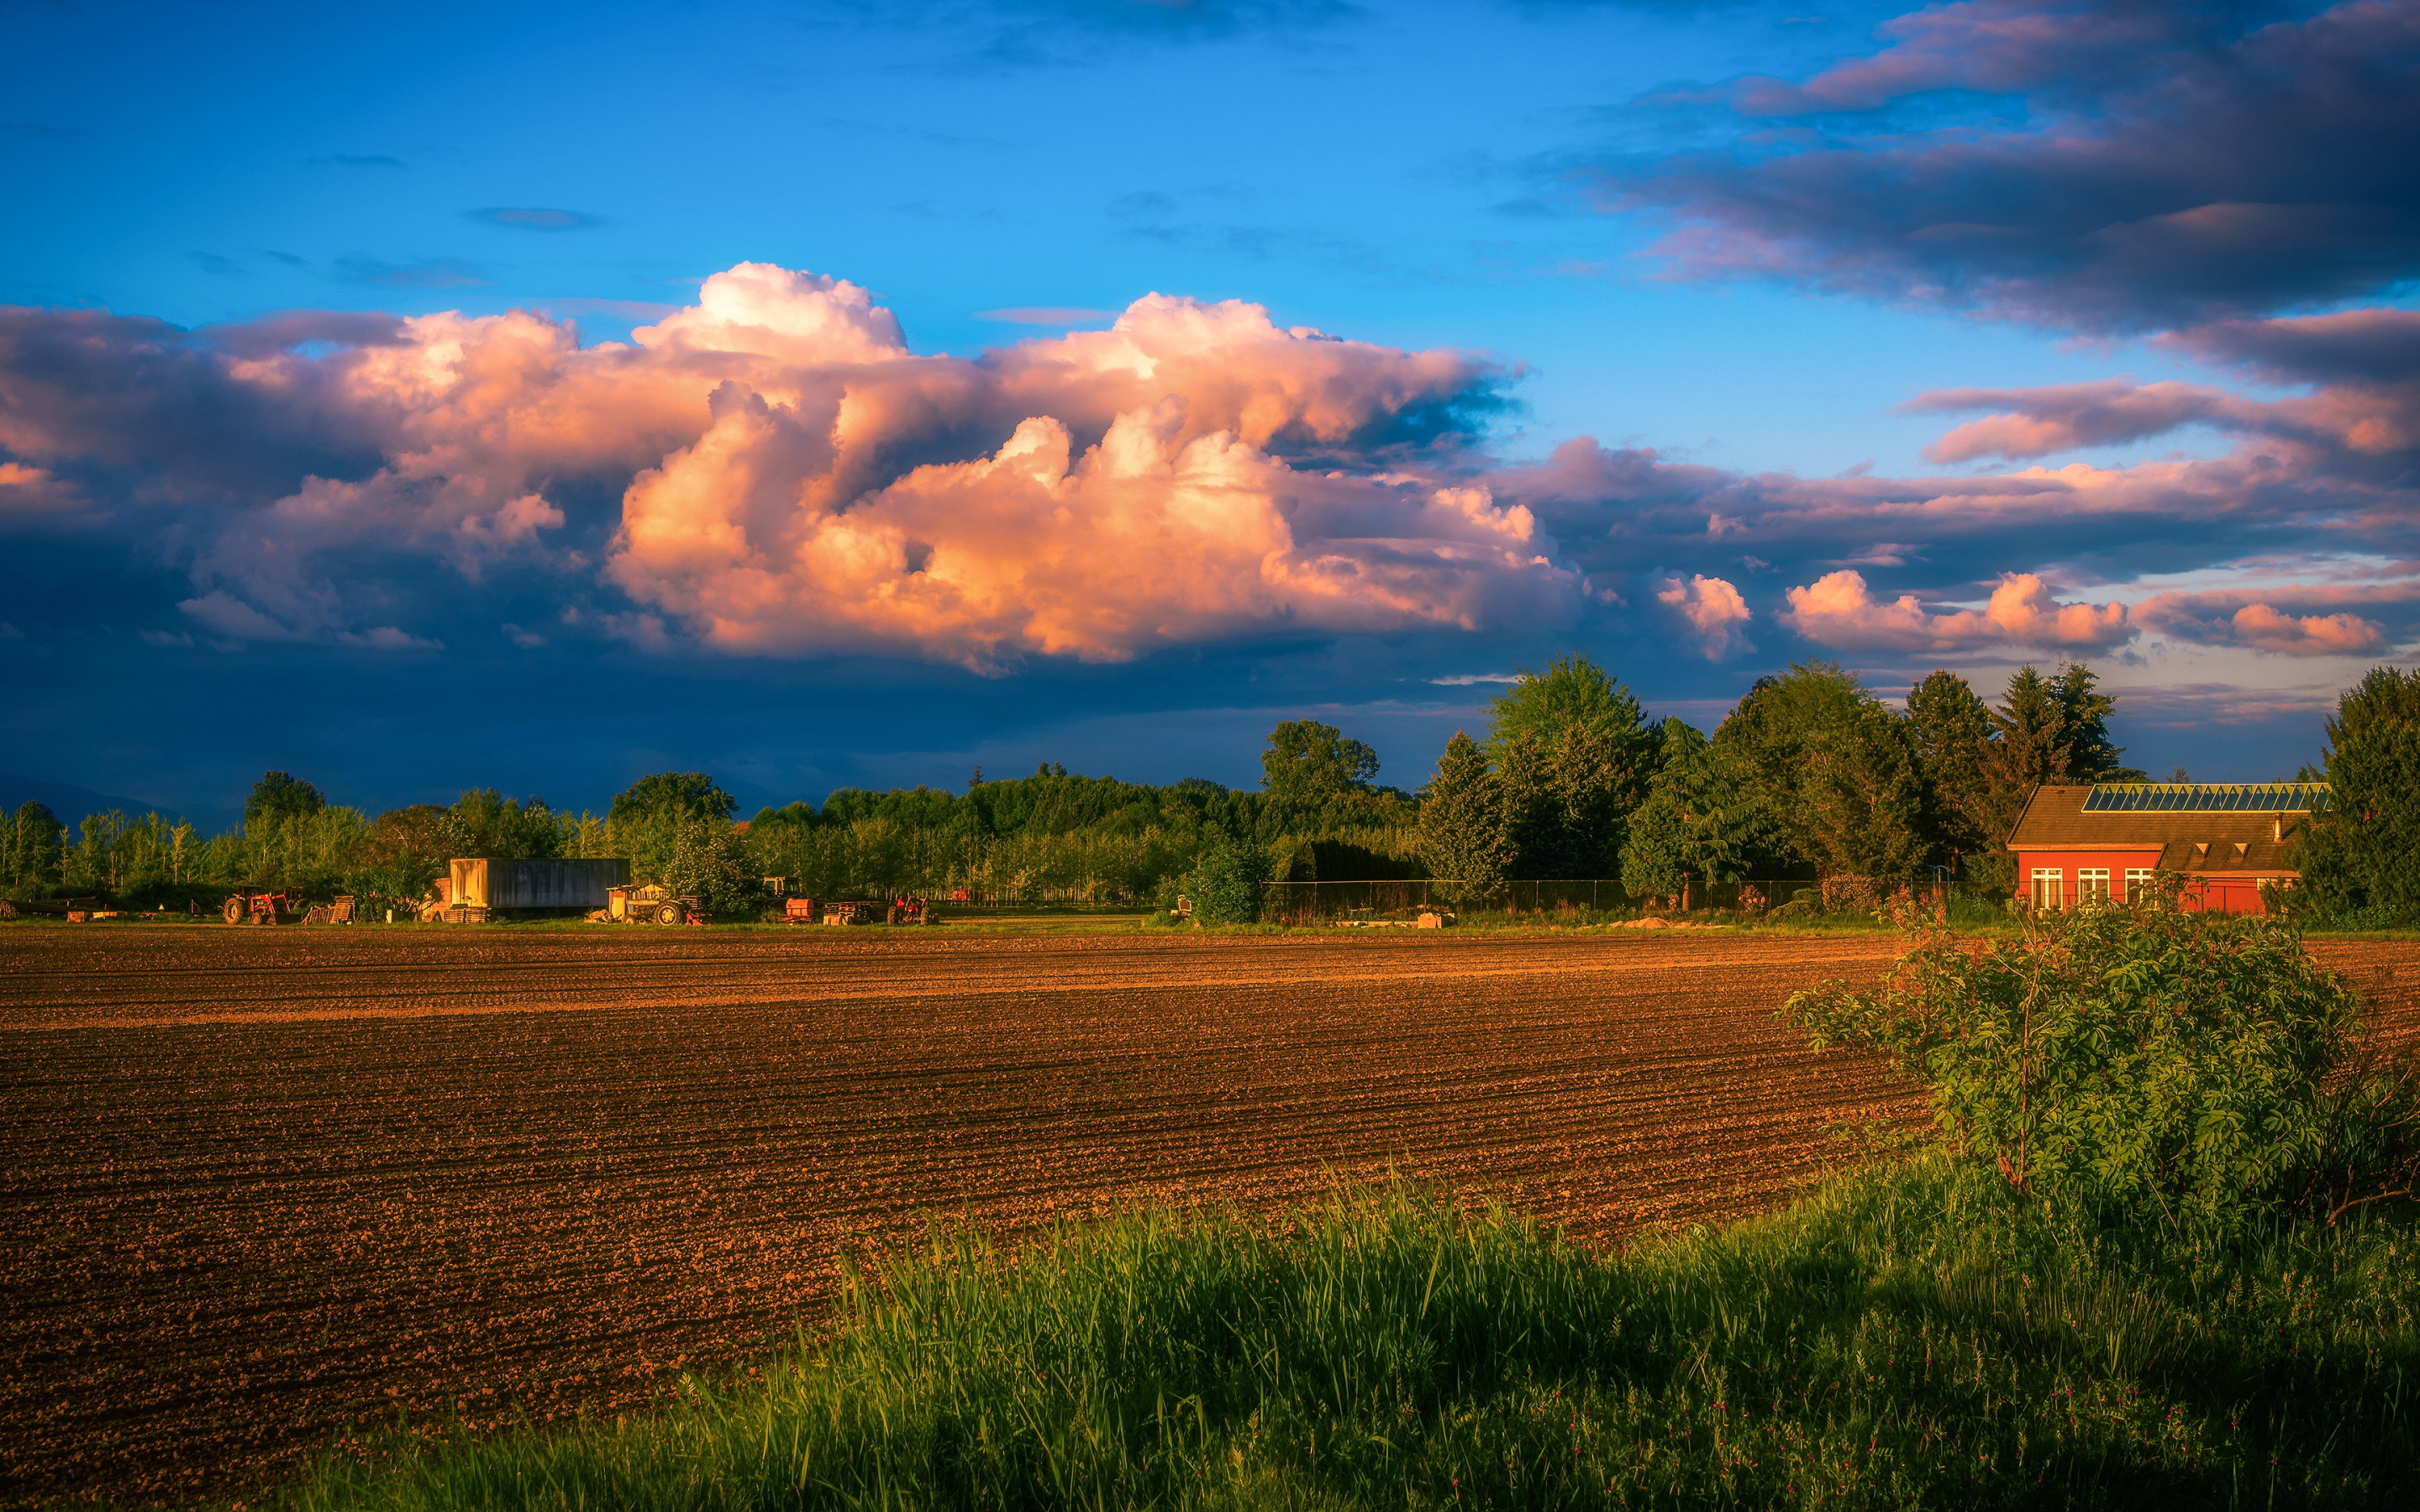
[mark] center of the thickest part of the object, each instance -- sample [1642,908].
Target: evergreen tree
[1462,832]
[2364,850]
[2092,756]
[1864,800]
[1655,857]
[1567,803]
[1953,728]
[2031,743]
[1698,820]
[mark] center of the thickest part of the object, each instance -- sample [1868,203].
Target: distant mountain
[71,802]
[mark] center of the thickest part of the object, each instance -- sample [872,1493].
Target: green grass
[1902,1338]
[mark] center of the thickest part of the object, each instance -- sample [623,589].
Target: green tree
[706,859]
[483,821]
[1568,802]
[1863,806]
[1698,820]
[1953,728]
[646,816]
[1655,859]
[2364,850]
[2091,755]
[277,795]
[405,852]
[1307,768]
[33,847]
[1573,690]
[1769,737]
[1463,838]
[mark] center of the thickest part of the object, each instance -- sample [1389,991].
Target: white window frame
[2056,877]
[2091,884]
[2139,882]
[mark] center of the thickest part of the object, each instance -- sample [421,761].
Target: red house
[2078,844]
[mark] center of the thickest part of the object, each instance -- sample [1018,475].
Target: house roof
[2212,839]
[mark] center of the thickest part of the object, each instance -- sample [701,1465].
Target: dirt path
[259,1188]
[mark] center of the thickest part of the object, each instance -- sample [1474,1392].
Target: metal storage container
[486,882]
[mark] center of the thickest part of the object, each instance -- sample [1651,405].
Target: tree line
[1810,775]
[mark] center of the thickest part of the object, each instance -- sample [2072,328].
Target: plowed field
[260,1188]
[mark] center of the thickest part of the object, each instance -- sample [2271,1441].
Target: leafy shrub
[2191,1070]
[2374,916]
[1225,885]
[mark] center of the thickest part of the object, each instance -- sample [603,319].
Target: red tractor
[259,908]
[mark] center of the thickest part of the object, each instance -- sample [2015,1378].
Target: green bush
[1226,884]
[2194,1071]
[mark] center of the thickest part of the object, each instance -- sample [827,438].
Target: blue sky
[1734,247]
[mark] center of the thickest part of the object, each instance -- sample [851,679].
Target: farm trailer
[478,888]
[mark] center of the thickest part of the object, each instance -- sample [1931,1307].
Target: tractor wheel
[234,911]
[671,914]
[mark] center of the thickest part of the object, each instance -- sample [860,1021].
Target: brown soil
[259,1190]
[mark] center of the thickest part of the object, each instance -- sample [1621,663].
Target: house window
[2091,884]
[2138,884]
[2050,889]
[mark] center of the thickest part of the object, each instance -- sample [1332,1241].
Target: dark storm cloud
[2352,347]
[156,409]
[2177,164]
[2361,419]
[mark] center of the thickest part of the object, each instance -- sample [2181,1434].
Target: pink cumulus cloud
[793,477]
[1714,611]
[1837,610]
[2271,620]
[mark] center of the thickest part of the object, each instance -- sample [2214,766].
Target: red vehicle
[259,908]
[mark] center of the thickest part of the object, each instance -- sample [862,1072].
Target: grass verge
[1904,1336]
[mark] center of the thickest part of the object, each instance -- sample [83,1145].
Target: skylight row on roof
[2207,798]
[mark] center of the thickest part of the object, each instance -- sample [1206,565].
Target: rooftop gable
[2221,837]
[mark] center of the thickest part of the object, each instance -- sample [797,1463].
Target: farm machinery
[894,911]
[799,909]
[649,904]
[250,907]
